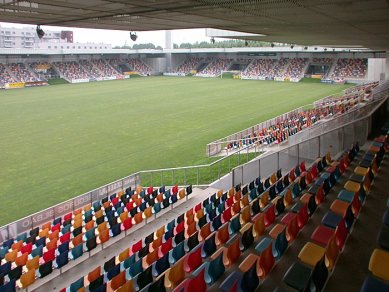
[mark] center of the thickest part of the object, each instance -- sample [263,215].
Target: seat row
[54,244]
[309,191]
[224,220]
[379,260]
[317,258]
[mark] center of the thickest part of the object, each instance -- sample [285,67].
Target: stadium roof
[353,23]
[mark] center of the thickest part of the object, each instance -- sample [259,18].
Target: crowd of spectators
[216,66]
[72,70]
[21,73]
[105,68]
[279,68]
[188,65]
[137,65]
[92,70]
[5,77]
[349,68]
[259,67]
[295,68]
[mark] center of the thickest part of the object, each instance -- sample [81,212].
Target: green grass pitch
[60,141]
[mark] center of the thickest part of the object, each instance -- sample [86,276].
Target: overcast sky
[119,38]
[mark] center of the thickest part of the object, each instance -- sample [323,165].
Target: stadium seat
[379,264]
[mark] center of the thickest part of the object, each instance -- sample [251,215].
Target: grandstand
[307,208]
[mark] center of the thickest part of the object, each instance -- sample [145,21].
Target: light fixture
[325,49]
[272,45]
[133,36]
[305,48]
[292,46]
[315,49]
[212,40]
[246,43]
[39,31]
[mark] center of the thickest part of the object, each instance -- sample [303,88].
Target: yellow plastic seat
[379,264]
[311,253]
[352,186]
[175,275]
[361,170]
[26,279]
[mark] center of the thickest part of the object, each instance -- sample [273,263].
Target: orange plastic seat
[99,213]
[150,259]
[205,231]
[94,274]
[104,236]
[200,214]
[118,281]
[339,207]
[11,256]
[87,208]
[222,235]
[245,215]
[288,198]
[233,251]
[52,244]
[181,194]
[123,216]
[244,201]
[159,232]
[33,263]
[175,275]
[192,228]
[258,225]
[264,199]
[77,223]
[124,255]
[77,240]
[147,213]
[102,226]
[156,243]
[27,279]
[89,225]
[44,233]
[54,235]
[46,225]
[17,245]
[137,218]
[21,260]
[126,287]
[231,192]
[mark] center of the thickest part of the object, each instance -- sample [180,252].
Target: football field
[60,141]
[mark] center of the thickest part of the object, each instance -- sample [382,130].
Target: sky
[119,38]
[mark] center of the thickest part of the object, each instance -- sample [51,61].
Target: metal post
[184,176]
[219,171]
[229,163]
[173,177]
[298,153]
[198,174]
[162,177]
[239,157]
[151,178]
[278,160]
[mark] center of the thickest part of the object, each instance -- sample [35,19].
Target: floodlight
[133,36]
[212,40]
[246,43]
[39,31]
[272,45]
[305,48]
[292,46]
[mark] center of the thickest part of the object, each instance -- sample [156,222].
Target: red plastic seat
[193,260]
[270,215]
[265,262]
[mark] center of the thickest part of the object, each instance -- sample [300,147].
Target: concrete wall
[376,69]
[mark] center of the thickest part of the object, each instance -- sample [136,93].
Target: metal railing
[338,135]
[199,175]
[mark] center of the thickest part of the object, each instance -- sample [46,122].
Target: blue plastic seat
[115,230]
[331,219]
[9,287]
[233,280]
[64,247]
[234,224]
[214,270]
[113,272]
[385,218]
[209,246]
[135,269]
[75,286]
[61,260]
[127,262]
[346,196]
[161,265]
[250,280]
[373,284]
[76,252]
[217,222]
[176,253]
